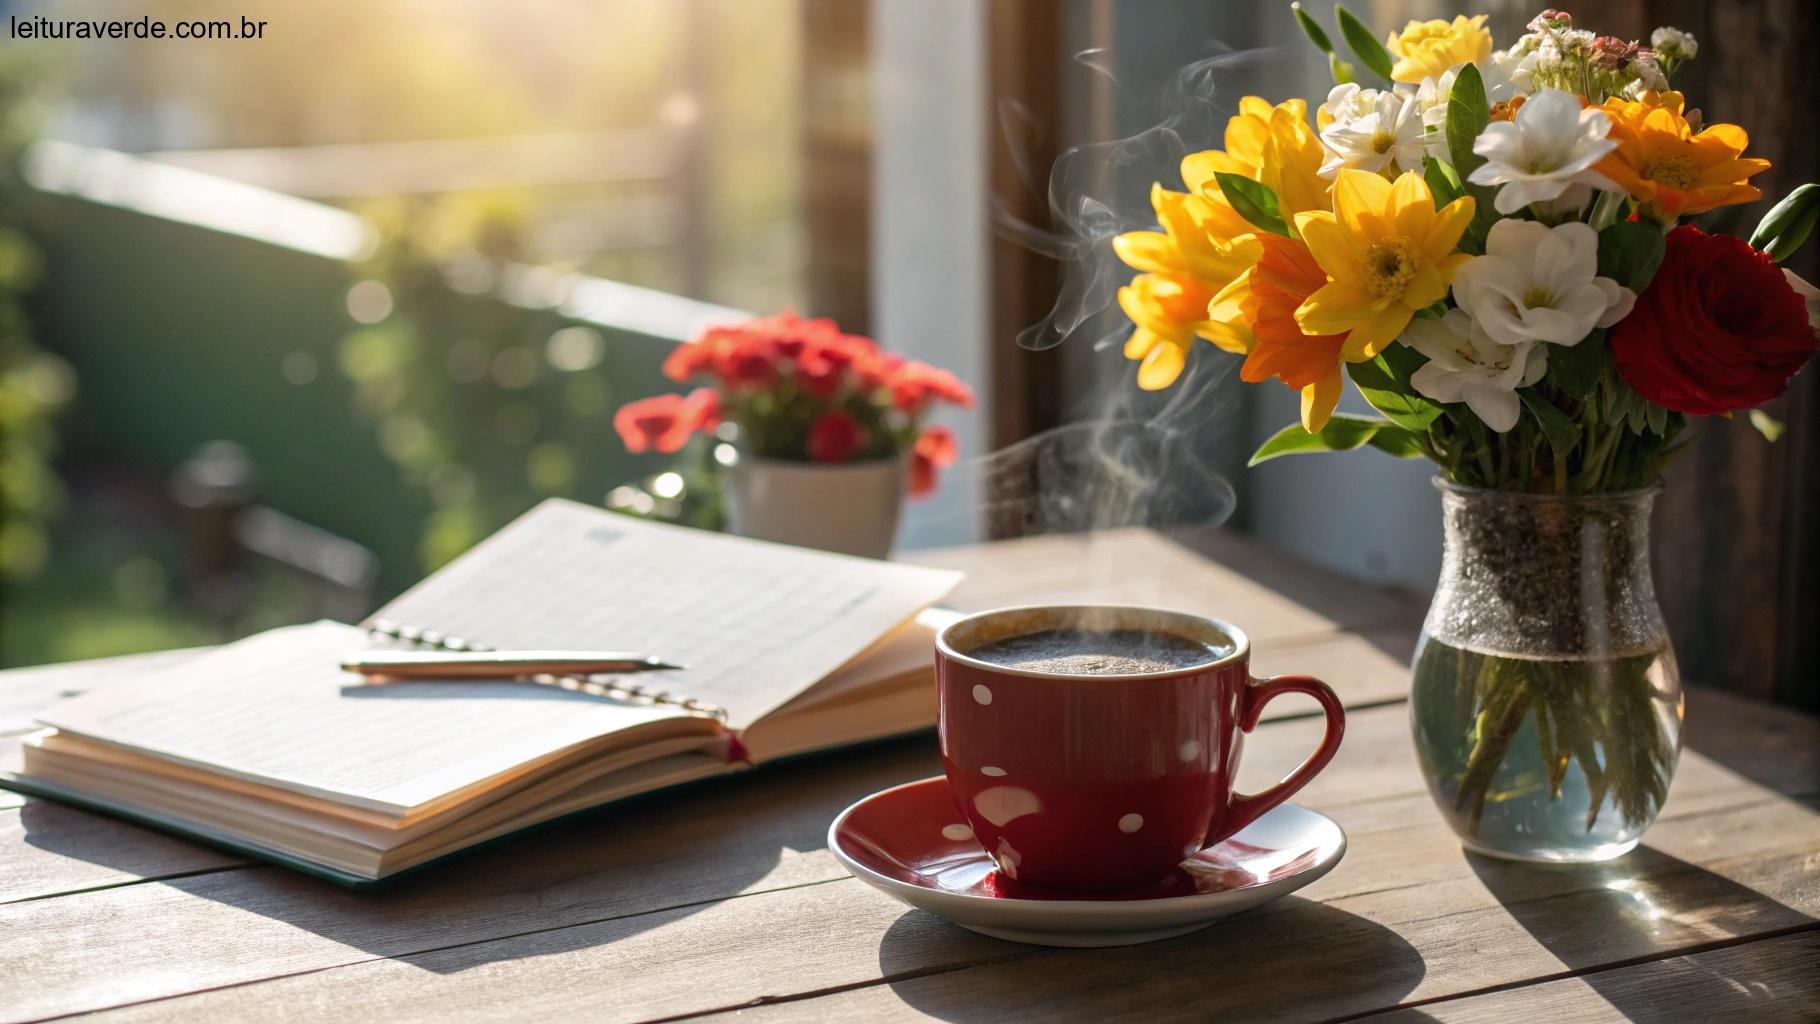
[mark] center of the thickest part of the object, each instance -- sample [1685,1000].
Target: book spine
[607,686]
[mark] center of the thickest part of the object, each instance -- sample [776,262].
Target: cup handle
[1247,808]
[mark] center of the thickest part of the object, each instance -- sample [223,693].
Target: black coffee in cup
[1097,652]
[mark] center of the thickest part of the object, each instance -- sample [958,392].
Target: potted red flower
[830,428]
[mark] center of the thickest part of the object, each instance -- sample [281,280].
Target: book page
[276,708]
[755,623]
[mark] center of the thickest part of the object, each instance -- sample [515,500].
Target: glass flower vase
[1546,705]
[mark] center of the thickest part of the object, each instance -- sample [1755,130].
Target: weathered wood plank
[1410,917]
[47,849]
[1209,572]
[281,924]
[1762,741]
[1772,981]
[1331,956]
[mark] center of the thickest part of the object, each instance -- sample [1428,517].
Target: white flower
[1431,100]
[1537,283]
[1674,43]
[1647,78]
[1550,145]
[1507,73]
[1809,294]
[1467,365]
[1370,128]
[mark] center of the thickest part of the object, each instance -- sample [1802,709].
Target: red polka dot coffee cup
[1075,771]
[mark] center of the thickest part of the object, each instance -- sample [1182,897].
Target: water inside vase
[1546,759]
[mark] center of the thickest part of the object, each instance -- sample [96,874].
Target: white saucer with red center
[911,843]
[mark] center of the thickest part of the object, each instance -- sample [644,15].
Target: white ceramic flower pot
[850,508]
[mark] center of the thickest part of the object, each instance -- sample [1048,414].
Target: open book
[267,747]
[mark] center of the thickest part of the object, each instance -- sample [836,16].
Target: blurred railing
[596,192]
[194,308]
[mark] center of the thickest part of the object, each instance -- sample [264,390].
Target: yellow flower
[1426,49]
[1170,312]
[1669,169]
[1201,238]
[1267,144]
[1203,245]
[1387,252]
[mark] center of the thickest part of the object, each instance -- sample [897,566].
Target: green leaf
[1433,312]
[1657,416]
[1343,433]
[1788,223]
[1342,71]
[1557,427]
[1629,253]
[1770,427]
[1253,200]
[1442,181]
[1468,112]
[1389,392]
[1371,53]
[1629,408]
[1394,440]
[1577,369]
[1311,29]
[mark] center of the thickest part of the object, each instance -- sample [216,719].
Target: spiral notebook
[266,747]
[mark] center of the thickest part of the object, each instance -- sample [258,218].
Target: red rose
[1719,328]
[833,437]
[934,450]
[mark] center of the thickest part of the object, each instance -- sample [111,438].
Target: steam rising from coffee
[1129,458]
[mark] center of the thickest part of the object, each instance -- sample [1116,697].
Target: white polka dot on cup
[1131,823]
[1190,750]
[996,773]
[958,833]
[981,695]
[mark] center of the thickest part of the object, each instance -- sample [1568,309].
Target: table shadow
[1626,908]
[1301,959]
[585,881]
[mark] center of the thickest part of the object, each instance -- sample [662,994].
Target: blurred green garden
[408,293]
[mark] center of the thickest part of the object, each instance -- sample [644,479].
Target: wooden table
[729,904]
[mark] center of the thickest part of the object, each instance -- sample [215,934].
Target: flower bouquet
[820,421]
[1492,245]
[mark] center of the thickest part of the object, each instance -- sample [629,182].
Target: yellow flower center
[1537,298]
[1389,264]
[1673,171]
[1381,141]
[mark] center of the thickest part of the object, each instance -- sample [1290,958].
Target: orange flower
[1506,110]
[1266,297]
[1669,169]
